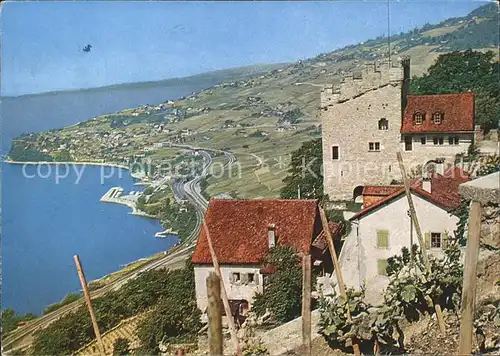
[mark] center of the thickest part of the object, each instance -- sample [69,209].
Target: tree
[10,319]
[283,295]
[467,71]
[305,172]
[121,347]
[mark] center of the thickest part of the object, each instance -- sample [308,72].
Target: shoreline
[103,164]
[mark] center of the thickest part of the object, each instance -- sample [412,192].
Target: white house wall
[235,290]
[360,253]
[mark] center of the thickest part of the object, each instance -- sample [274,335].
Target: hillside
[266,115]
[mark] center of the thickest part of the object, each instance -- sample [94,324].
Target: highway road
[189,191]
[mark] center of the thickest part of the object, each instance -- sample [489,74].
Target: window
[382,238]
[374,146]
[453,140]
[435,240]
[437,117]
[408,143]
[383,124]
[382,267]
[335,152]
[236,277]
[423,140]
[419,118]
[251,278]
[438,140]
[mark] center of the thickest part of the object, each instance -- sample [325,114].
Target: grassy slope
[278,90]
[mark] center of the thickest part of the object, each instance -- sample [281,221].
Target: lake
[44,224]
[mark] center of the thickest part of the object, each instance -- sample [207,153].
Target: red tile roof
[238,228]
[444,188]
[457,110]
[444,191]
[380,190]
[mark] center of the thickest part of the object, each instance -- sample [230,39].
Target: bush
[68,299]
[414,290]
[74,330]
[175,318]
[121,347]
[283,294]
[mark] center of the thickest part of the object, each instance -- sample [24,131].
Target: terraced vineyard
[126,329]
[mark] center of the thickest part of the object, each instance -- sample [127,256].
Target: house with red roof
[371,115]
[383,227]
[444,123]
[244,231]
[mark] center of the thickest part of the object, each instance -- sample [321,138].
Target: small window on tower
[437,117]
[383,124]
[423,140]
[419,118]
[335,152]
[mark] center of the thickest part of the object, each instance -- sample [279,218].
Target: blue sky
[140,41]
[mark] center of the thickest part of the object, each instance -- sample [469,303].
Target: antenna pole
[389,30]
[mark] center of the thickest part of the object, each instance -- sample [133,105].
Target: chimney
[440,166]
[271,235]
[426,184]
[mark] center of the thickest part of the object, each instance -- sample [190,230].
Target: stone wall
[490,226]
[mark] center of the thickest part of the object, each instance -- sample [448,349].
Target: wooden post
[338,272]
[86,294]
[437,307]
[225,299]
[469,281]
[306,304]
[214,315]
[413,213]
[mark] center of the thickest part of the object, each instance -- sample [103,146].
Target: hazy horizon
[137,42]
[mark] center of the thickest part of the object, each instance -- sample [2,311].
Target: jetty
[115,195]
[165,233]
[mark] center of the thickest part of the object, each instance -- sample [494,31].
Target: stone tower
[361,122]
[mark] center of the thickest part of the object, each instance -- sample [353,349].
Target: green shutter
[383,238]
[382,267]
[444,240]
[427,240]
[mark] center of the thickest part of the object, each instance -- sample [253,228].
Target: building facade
[383,227]
[243,232]
[370,116]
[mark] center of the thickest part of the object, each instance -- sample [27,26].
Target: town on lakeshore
[346,203]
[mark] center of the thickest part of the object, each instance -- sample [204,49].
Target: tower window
[419,118]
[335,152]
[383,124]
[423,140]
[374,146]
[437,117]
